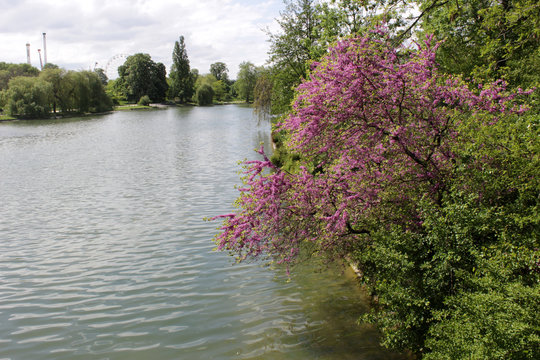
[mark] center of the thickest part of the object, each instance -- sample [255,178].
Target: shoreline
[129,107]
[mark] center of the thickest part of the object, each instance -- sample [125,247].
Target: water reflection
[104,252]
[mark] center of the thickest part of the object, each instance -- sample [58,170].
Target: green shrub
[465,285]
[144,100]
[204,95]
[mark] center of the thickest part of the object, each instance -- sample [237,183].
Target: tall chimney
[28,54]
[45,48]
[40,61]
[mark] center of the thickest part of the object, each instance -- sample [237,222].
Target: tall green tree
[245,83]
[91,95]
[298,40]
[182,82]
[59,87]
[220,71]
[292,47]
[140,75]
[222,89]
[308,27]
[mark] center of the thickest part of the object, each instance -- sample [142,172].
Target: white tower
[40,61]
[44,48]
[28,54]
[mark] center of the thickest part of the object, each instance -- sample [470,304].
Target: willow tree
[247,78]
[28,97]
[262,94]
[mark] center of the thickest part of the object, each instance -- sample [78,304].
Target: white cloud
[81,33]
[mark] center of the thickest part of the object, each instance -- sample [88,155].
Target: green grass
[132,107]
[6,117]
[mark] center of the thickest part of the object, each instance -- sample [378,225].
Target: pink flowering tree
[376,129]
[427,182]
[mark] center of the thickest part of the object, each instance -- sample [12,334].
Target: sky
[81,33]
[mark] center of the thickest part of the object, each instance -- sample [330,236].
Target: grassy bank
[6,117]
[133,107]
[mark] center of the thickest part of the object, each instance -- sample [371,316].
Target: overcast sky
[83,32]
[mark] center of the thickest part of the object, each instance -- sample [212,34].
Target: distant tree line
[141,76]
[29,93]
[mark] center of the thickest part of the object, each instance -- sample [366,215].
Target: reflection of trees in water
[331,301]
[263,135]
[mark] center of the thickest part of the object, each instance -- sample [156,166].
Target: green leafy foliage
[499,320]
[36,95]
[28,97]
[9,71]
[139,76]
[307,28]
[144,100]
[467,285]
[247,78]
[182,80]
[205,95]
[76,91]
[262,94]
[291,49]
[487,39]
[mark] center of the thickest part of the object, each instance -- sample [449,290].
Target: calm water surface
[104,253]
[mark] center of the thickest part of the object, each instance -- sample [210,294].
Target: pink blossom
[376,132]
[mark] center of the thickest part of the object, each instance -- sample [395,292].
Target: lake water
[104,253]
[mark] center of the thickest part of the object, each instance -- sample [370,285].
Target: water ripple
[104,252]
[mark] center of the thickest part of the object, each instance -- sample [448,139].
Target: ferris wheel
[111,69]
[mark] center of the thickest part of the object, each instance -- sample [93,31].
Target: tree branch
[354,231]
[435,4]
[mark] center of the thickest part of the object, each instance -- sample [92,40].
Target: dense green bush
[467,285]
[144,100]
[205,95]
[498,320]
[28,97]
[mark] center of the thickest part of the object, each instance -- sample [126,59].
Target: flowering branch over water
[377,128]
